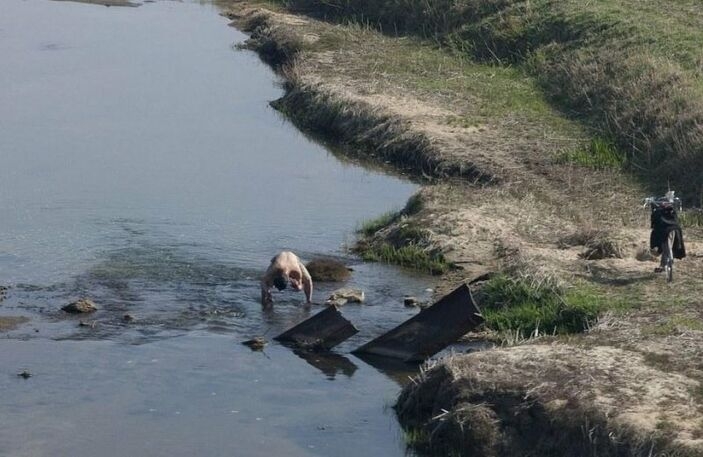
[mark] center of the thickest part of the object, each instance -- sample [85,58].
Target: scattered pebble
[256,344]
[24,374]
[83,305]
[344,295]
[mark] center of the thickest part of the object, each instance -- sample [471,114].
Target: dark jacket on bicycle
[664,221]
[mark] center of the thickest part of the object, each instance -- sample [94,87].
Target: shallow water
[142,167]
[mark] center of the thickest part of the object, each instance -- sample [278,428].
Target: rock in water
[255,344]
[24,374]
[345,295]
[327,270]
[81,306]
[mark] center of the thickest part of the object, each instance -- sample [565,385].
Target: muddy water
[141,166]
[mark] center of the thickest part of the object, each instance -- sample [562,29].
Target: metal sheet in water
[431,330]
[324,330]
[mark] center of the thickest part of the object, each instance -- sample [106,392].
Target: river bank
[595,351]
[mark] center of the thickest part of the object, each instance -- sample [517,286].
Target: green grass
[673,326]
[414,205]
[691,218]
[372,226]
[521,305]
[599,154]
[416,436]
[410,256]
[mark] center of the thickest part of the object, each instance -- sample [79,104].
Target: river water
[141,166]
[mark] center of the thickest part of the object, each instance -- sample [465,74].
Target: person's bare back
[285,268]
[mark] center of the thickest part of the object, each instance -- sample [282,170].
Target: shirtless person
[286,268]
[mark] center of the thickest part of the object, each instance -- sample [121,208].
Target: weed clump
[393,238]
[275,45]
[600,154]
[533,307]
[598,243]
[410,256]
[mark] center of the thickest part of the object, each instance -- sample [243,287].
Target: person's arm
[266,298]
[307,282]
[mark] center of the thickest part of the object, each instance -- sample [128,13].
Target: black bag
[664,221]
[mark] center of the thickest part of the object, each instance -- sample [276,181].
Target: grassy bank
[620,67]
[521,119]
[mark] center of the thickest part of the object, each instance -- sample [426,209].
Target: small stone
[81,306]
[24,374]
[336,302]
[127,318]
[347,294]
[411,302]
[255,344]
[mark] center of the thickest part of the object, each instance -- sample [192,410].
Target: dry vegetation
[536,127]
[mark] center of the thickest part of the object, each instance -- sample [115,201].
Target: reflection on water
[143,168]
[329,363]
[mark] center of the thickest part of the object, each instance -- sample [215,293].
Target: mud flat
[594,352]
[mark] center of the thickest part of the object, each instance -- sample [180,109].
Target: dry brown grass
[526,399]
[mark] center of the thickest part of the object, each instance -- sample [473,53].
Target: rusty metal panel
[324,330]
[430,331]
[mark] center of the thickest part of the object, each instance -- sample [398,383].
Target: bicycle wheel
[668,256]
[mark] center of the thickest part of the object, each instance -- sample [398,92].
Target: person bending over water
[286,268]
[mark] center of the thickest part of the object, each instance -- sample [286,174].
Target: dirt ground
[640,366]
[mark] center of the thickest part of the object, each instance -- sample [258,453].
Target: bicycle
[666,232]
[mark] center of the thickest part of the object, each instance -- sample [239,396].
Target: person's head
[280,281]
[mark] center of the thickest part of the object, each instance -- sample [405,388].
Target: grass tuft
[370,227]
[410,256]
[600,154]
[513,304]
